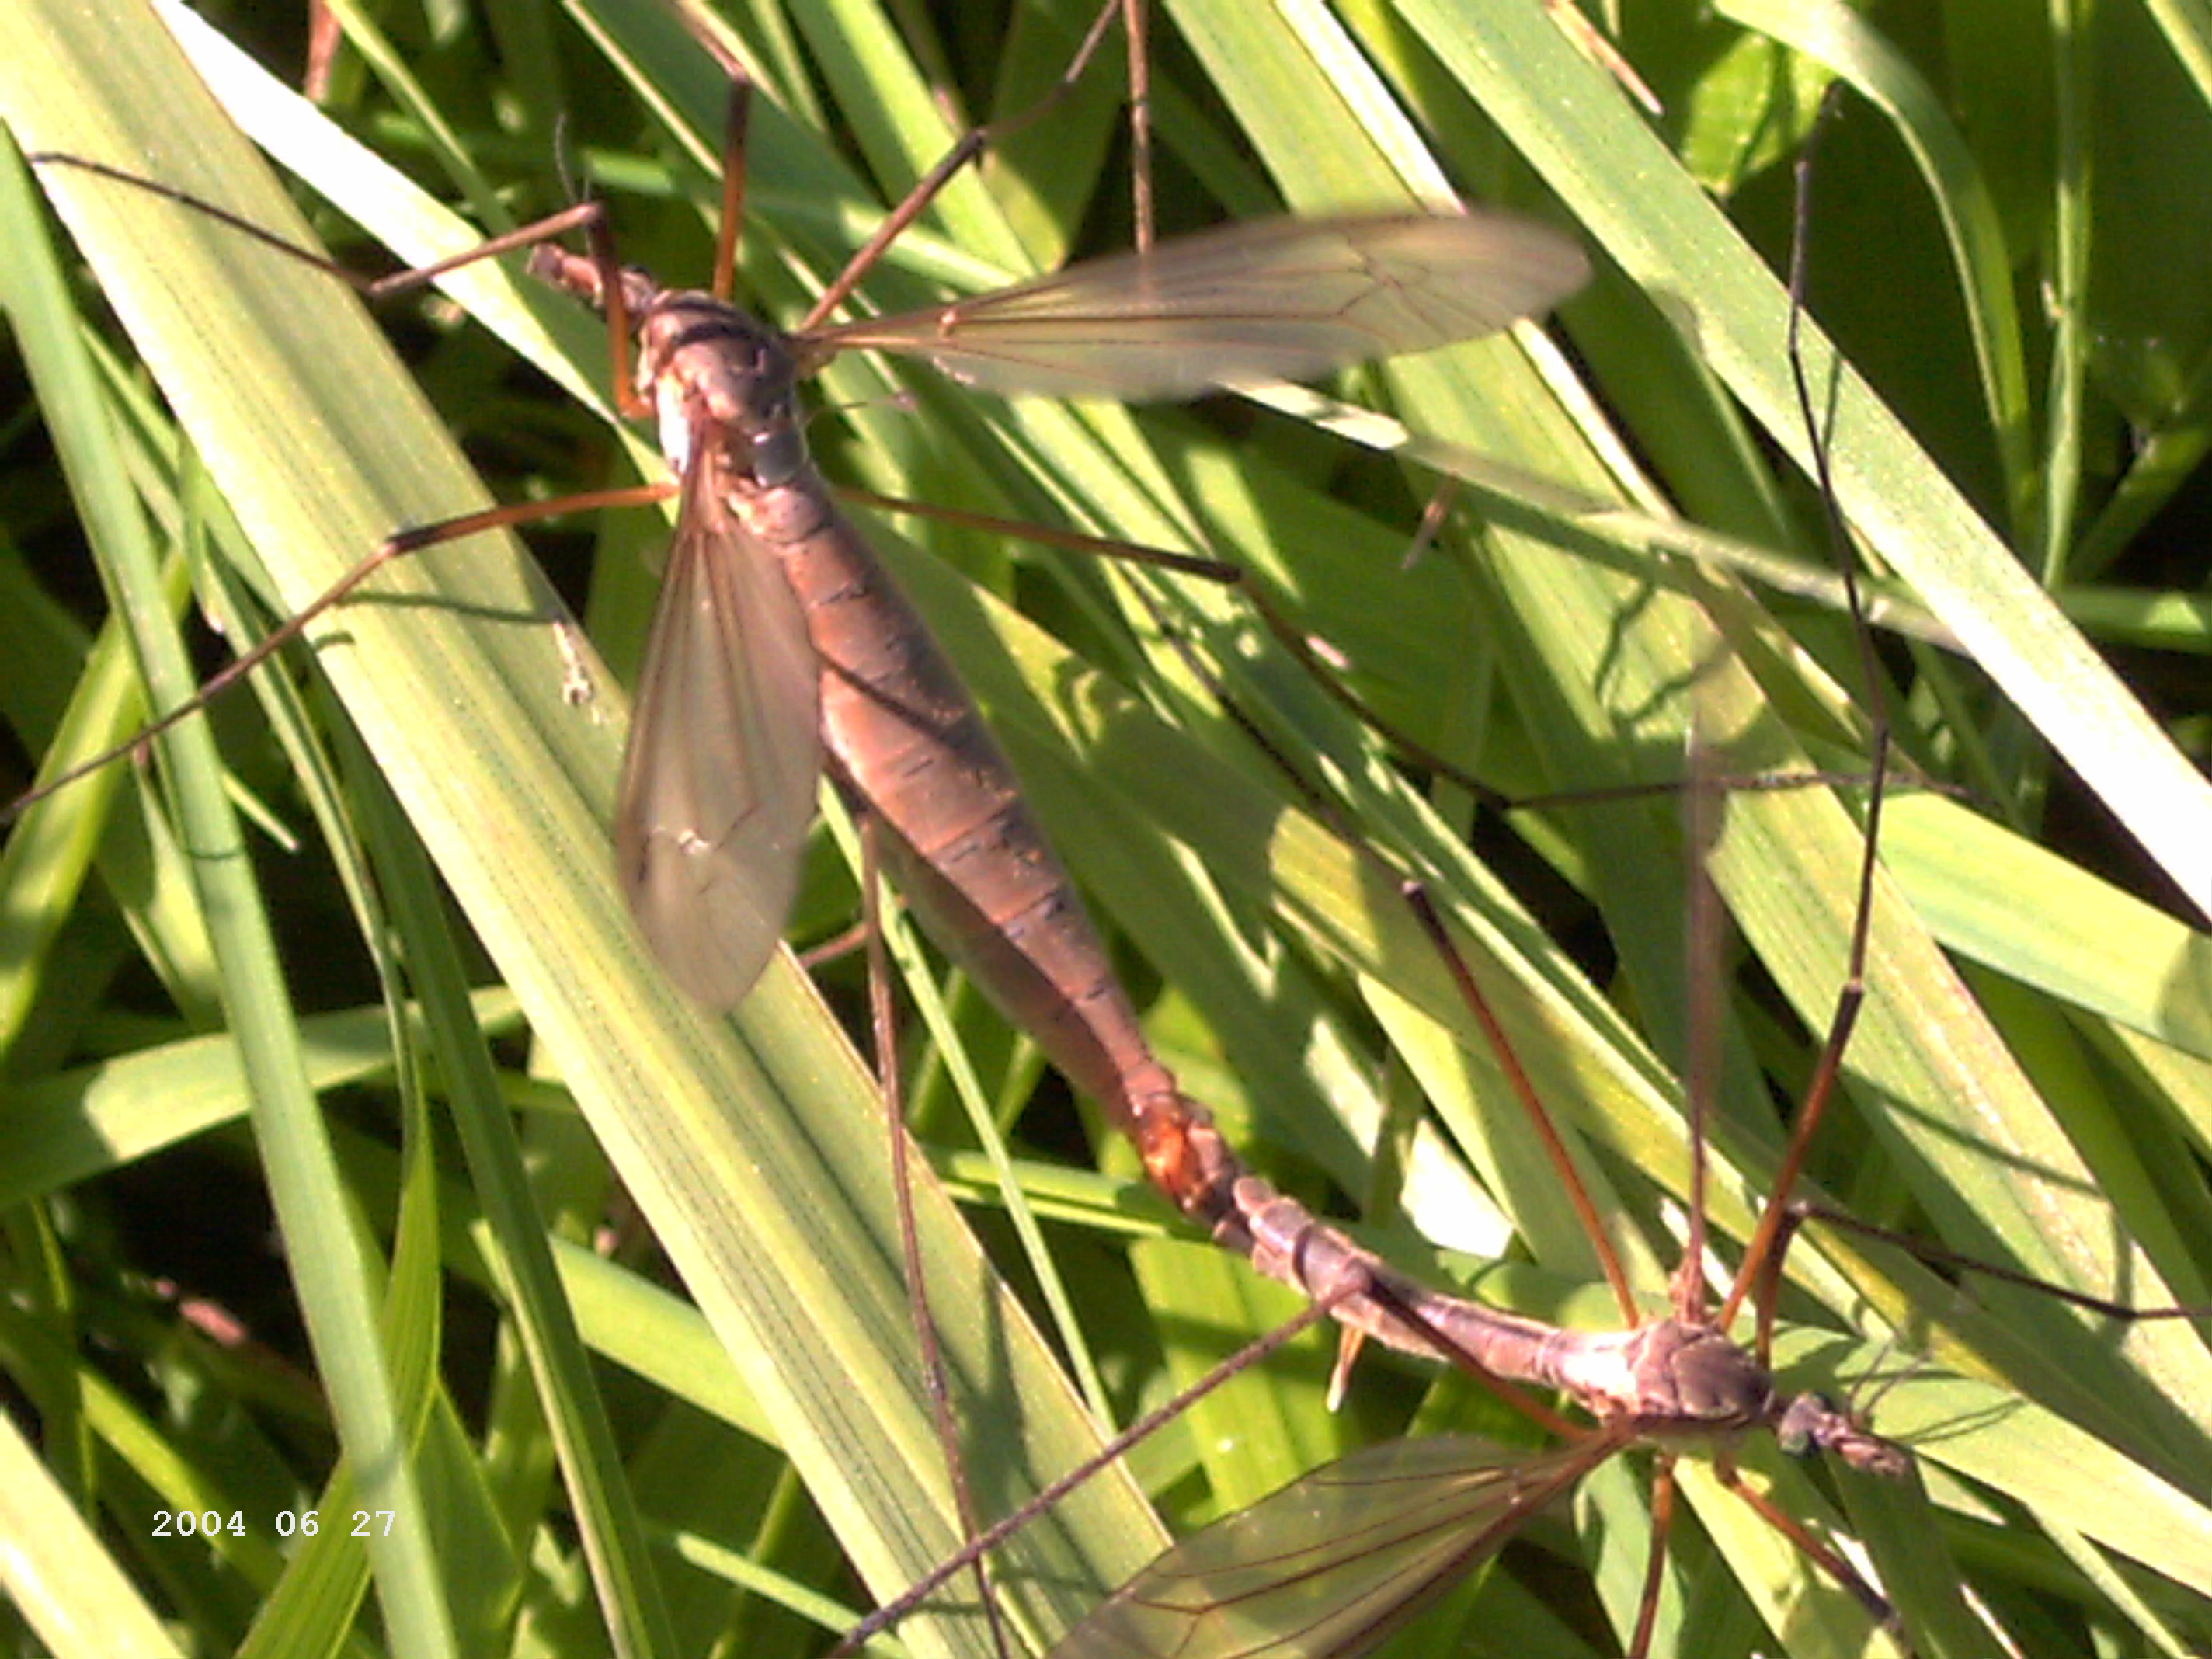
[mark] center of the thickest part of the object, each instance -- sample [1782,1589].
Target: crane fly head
[1811,1423]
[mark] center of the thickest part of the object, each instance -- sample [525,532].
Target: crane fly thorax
[1695,1374]
[710,372]
[1688,1376]
[715,374]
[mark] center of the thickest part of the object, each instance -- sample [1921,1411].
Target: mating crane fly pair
[779,646]
[777,622]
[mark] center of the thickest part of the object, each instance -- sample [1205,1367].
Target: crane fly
[737,705]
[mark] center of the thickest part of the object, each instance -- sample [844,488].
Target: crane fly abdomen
[902,736]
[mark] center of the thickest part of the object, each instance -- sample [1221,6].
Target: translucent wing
[724,749]
[1278,299]
[1334,1561]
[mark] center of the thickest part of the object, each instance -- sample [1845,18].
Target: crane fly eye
[1797,1433]
[779,456]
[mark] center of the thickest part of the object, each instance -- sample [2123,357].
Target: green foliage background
[2009,240]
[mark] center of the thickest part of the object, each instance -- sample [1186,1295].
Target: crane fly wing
[1278,299]
[1334,1561]
[724,749]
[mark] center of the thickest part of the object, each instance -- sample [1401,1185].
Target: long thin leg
[969,145]
[732,226]
[1937,1256]
[1701,1064]
[965,148]
[324,38]
[578,217]
[393,547]
[1655,1562]
[1136,1434]
[587,216]
[590,217]
[1317,657]
[1136,30]
[1760,1270]
[1524,1090]
[1601,51]
[1813,1550]
[1761,1265]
